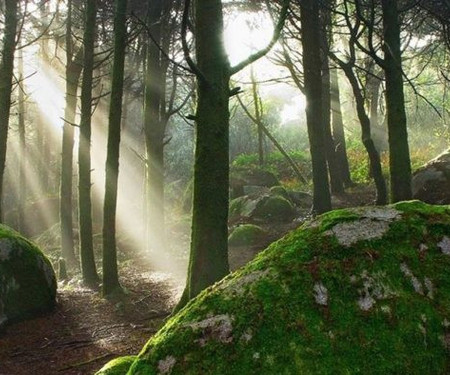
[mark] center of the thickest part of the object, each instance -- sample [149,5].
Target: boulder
[245,180]
[246,235]
[27,279]
[264,207]
[355,291]
[431,183]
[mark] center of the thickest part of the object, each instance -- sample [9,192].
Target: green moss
[118,366]
[279,190]
[319,303]
[27,279]
[274,207]
[245,235]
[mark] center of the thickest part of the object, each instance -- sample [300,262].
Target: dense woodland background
[120,121]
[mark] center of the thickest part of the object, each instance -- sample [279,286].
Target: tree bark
[258,117]
[312,64]
[6,79]
[399,158]
[110,273]
[338,130]
[374,157]
[208,261]
[336,183]
[154,127]
[73,72]
[88,267]
[22,146]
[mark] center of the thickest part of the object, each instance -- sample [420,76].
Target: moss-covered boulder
[246,235]
[27,279]
[242,178]
[118,366]
[265,207]
[431,182]
[274,207]
[356,291]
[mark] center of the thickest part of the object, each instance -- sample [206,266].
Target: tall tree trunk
[312,64]
[154,126]
[110,273]
[6,79]
[208,260]
[338,130]
[258,117]
[22,146]
[374,157]
[73,72]
[399,159]
[88,267]
[336,183]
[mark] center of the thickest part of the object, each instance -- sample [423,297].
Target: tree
[336,183]
[348,67]
[312,63]
[399,160]
[73,72]
[208,260]
[6,81]
[338,129]
[155,123]
[88,267]
[110,274]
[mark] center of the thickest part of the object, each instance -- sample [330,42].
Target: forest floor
[85,331]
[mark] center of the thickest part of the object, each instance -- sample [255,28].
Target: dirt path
[85,331]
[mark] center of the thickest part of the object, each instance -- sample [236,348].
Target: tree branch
[276,34]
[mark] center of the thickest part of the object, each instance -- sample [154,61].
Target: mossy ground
[310,304]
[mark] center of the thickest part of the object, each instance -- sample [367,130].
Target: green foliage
[276,163]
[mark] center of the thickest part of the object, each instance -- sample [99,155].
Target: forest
[224,187]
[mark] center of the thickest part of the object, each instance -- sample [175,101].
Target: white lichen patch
[12,285]
[219,328]
[417,285]
[247,335]
[379,213]
[366,302]
[444,245]
[446,323]
[6,248]
[256,355]
[165,365]
[429,287]
[235,287]
[374,288]
[320,294]
[349,233]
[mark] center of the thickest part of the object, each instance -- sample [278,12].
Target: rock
[246,235]
[118,366]
[264,207]
[431,183]
[242,178]
[321,302]
[300,198]
[274,207]
[27,279]
[280,191]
